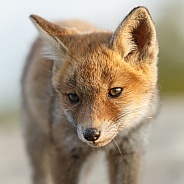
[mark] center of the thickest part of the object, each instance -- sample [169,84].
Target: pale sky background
[17,32]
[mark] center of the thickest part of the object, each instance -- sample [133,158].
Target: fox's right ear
[50,33]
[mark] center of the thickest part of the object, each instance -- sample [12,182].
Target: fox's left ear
[136,36]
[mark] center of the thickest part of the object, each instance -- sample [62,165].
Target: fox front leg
[65,168]
[125,168]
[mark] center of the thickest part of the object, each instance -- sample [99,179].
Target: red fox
[85,90]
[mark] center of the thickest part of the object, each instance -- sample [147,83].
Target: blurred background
[164,163]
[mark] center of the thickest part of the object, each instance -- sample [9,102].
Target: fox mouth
[99,144]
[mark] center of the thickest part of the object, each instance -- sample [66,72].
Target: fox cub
[86,92]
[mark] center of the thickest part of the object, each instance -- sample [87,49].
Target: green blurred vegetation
[9,116]
[170,30]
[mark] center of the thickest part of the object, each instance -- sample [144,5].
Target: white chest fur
[95,169]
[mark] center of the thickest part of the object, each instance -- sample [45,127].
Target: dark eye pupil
[73,98]
[115,92]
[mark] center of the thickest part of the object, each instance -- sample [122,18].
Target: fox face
[105,81]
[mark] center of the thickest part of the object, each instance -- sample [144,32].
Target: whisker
[118,147]
[118,138]
[129,112]
[45,68]
[107,151]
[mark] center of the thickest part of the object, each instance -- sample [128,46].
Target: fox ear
[50,33]
[136,35]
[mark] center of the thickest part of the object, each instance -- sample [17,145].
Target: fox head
[105,81]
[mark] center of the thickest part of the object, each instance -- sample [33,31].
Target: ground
[164,161]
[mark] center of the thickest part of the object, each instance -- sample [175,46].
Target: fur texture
[84,88]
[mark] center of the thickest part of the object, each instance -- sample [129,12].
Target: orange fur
[86,64]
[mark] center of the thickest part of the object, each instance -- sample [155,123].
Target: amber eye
[73,97]
[115,92]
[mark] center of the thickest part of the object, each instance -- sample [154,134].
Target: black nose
[91,134]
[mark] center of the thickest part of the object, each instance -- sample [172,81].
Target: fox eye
[73,97]
[115,92]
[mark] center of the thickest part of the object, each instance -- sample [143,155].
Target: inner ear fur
[53,36]
[136,35]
